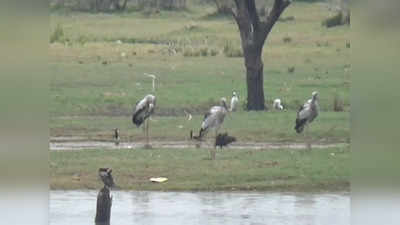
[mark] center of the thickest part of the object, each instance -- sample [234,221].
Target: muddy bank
[79,143]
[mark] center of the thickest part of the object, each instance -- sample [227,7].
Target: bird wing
[304,112]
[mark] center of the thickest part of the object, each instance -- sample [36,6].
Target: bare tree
[253,33]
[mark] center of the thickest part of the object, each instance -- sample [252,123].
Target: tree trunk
[253,33]
[255,79]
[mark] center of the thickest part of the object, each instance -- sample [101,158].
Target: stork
[306,114]
[143,110]
[277,104]
[153,77]
[234,102]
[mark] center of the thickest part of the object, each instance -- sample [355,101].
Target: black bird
[223,140]
[106,177]
[116,136]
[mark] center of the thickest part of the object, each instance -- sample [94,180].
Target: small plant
[287,39]
[204,51]
[291,69]
[57,35]
[338,104]
[213,52]
[82,39]
[188,52]
[232,51]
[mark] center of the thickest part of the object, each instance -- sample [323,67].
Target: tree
[253,33]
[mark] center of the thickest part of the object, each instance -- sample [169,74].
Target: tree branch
[273,16]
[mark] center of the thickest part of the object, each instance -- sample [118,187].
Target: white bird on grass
[277,104]
[234,102]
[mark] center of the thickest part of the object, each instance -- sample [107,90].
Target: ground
[98,67]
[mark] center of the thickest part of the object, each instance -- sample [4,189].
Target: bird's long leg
[308,138]
[147,133]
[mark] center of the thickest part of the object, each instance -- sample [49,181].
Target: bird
[106,177]
[234,102]
[143,110]
[277,104]
[153,77]
[213,119]
[116,136]
[223,140]
[307,113]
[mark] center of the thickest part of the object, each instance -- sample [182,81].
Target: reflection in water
[174,208]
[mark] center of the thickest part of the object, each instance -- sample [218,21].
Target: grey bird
[307,113]
[214,118]
[143,110]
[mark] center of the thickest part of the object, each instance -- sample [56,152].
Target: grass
[96,80]
[191,170]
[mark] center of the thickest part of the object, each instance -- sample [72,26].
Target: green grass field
[97,75]
[89,98]
[190,169]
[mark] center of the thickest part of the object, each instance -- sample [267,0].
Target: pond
[203,208]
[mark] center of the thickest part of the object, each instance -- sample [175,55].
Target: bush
[336,20]
[57,35]
[82,39]
[287,39]
[232,51]
[213,52]
[338,104]
[204,51]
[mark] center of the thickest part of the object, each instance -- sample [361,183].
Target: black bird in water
[116,136]
[106,177]
[223,140]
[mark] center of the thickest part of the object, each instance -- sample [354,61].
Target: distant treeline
[116,5]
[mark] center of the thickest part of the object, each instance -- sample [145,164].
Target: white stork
[143,110]
[307,113]
[234,102]
[277,104]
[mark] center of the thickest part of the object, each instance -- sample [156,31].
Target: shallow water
[203,208]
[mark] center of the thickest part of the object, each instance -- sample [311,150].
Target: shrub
[204,51]
[57,35]
[291,69]
[82,39]
[336,20]
[232,51]
[287,39]
[338,104]
[213,52]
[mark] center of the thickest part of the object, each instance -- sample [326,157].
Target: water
[203,208]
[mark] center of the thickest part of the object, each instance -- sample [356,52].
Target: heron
[153,77]
[143,110]
[306,114]
[106,177]
[277,104]
[234,102]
